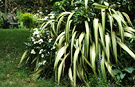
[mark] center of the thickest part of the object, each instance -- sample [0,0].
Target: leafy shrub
[27,20]
[39,56]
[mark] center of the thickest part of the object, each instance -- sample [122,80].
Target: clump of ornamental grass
[83,36]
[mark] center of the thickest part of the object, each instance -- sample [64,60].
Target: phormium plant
[83,34]
[80,42]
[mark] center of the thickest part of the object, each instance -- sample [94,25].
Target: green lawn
[11,49]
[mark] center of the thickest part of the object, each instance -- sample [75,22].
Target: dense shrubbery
[90,39]
[87,31]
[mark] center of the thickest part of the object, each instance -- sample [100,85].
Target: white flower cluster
[36,37]
[36,32]
[50,40]
[41,44]
[33,51]
[41,52]
[51,16]
[42,63]
[39,13]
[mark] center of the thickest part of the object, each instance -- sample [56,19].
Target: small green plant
[27,20]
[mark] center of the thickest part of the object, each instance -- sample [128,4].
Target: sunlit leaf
[129,35]
[42,28]
[81,38]
[72,44]
[122,45]
[99,6]
[106,3]
[60,67]
[114,46]
[129,29]
[111,22]
[59,24]
[63,33]
[95,27]
[103,20]
[88,36]
[86,4]
[76,54]
[107,39]
[128,19]
[61,41]
[121,31]
[67,29]
[59,55]
[70,76]
[22,58]
[62,14]
[93,57]
[101,34]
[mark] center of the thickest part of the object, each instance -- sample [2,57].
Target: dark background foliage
[27,5]
[127,6]
[32,6]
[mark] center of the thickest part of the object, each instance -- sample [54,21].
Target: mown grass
[11,49]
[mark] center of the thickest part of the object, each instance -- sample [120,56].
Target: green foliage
[61,5]
[84,32]
[104,32]
[27,20]
[1,20]
[125,76]
[125,72]
[97,82]
[1,23]
[39,56]
[124,6]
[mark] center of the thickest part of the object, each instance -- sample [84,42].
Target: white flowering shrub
[41,18]
[39,56]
